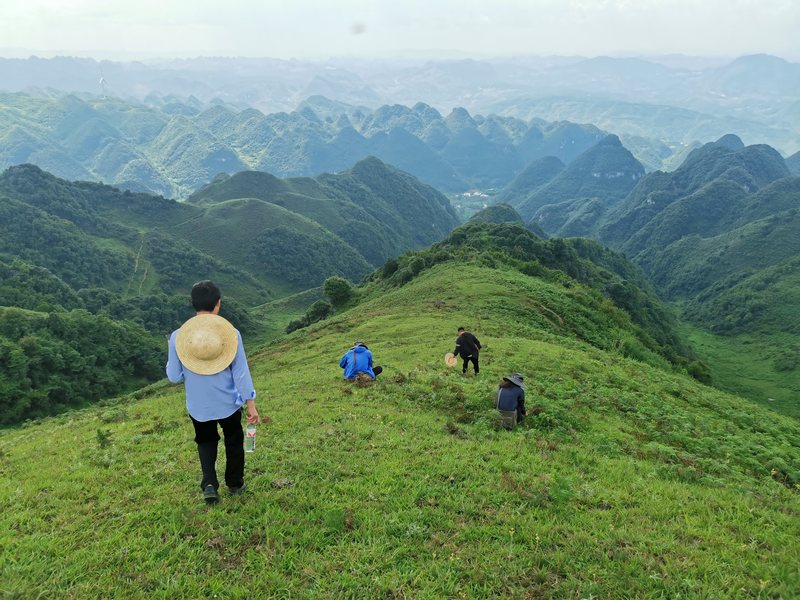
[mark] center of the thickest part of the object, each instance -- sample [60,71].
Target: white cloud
[480,27]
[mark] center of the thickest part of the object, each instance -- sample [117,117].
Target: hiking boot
[237,491]
[210,495]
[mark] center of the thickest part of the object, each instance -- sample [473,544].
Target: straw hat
[206,344]
[450,359]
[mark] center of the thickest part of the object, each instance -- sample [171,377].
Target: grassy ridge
[629,481]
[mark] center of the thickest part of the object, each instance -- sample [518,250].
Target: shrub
[390,266]
[416,265]
[318,311]
[700,371]
[338,290]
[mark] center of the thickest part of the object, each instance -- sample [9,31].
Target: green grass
[745,364]
[275,316]
[244,220]
[240,219]
[631,481]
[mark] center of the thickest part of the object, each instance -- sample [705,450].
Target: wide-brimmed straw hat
[516,379]
[450,359]
[206,344]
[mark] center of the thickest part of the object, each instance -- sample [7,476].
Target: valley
[623,231]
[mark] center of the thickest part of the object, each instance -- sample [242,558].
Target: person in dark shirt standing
[511,400]
[468,348]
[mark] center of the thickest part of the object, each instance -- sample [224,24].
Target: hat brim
[206,326]
[516,382]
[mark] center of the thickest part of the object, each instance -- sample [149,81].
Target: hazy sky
[322,28]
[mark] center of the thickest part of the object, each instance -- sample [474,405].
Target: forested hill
[376,208]
[719,236]
[606,171]
[626,480]
[128,260]
[175,148]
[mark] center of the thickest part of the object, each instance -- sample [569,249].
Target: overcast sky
[323,28]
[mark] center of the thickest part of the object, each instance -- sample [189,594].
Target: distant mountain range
[678,100]
[177,148]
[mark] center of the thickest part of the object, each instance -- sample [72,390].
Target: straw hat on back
[206,344]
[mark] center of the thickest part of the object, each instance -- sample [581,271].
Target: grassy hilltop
[628,480]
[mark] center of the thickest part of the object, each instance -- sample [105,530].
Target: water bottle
[250,438]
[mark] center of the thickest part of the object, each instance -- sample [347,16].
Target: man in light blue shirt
[207,355]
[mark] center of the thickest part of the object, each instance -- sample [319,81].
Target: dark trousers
[207,437]
[467,360]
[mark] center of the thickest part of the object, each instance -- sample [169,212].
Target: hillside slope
[607,171]
[133,257]
[627,480]
[378,210]
[716,236]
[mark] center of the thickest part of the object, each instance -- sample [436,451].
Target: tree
[318,311]
[338,290]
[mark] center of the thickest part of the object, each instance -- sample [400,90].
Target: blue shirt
[357,360]
[217,396]
[511,398]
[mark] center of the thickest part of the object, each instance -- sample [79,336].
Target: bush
[700,371]
[338,290]
[403,276]
[295,325]
[390,266]
[416,265]
[316,312]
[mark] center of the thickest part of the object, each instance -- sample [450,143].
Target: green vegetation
[51,362]
[338,290]
[761,366]
[132,258]
[535,175]
[626,480]
[752,167]
[274,316]
[371,212]
[339,295]
[608,283]
[174,149]
[497,213]
[607,171]
[719,236]
[793,164]
[34,288]
[571,217]
[284,250]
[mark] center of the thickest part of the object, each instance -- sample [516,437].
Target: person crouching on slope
[358,361]
[468,348]
[511,400]
[207,354]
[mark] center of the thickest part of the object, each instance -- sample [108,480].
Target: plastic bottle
[250,438]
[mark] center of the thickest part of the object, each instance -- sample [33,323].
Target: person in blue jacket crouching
[358,362]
